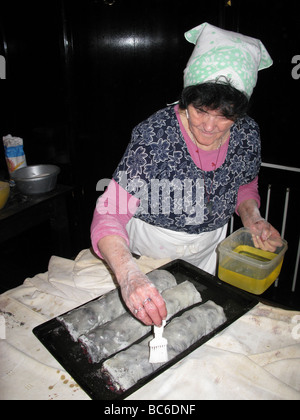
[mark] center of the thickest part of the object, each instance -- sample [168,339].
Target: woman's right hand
[142,298]
[139,293]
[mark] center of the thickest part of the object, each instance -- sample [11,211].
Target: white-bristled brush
[158,345]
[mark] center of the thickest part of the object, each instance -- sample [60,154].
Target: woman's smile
[208,127]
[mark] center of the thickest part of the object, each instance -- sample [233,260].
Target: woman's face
[208,127]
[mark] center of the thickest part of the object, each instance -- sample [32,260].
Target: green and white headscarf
[221,55]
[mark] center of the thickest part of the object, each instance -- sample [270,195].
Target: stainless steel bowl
[36,179]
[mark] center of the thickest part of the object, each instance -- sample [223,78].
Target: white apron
[157,242]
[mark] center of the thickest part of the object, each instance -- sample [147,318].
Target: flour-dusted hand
[265,236]
[138,292]
[143,299]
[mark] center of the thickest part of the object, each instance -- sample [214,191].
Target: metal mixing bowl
[36,179]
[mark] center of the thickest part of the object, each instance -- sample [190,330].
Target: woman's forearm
[113,211]
[116,253]
[249,212]
[140,295]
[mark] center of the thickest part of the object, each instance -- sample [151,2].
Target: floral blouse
[174,193]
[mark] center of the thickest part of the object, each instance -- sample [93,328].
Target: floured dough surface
[105,340]
[126,368]
[108,307]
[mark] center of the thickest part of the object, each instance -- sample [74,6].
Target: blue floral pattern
[159,170]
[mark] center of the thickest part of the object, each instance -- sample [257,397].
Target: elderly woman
[186,170]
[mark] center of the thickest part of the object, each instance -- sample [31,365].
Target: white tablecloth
[257,357]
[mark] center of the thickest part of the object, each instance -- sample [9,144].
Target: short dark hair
[231,103]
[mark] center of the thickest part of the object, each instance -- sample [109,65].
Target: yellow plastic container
[246,267]
[4,193]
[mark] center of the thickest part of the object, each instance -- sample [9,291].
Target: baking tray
[69,354]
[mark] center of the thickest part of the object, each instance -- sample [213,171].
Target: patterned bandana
[221,55]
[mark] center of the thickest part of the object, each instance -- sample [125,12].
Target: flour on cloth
[255,358]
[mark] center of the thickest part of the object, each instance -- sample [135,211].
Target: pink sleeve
[114,208]
[246,192]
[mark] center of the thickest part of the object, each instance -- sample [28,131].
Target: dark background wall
[81,75]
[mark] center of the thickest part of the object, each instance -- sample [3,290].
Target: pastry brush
[158,345]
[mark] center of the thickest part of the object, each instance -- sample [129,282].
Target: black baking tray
[69,354]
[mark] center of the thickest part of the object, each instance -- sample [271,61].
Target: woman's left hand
[265,236]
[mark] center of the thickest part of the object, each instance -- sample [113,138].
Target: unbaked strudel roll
[127,367]
[97,312]
[105,340]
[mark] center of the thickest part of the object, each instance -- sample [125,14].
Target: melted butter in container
[246,267]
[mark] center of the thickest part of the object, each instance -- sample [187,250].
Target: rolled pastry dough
[107,339]
[97,312]
[127,367]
